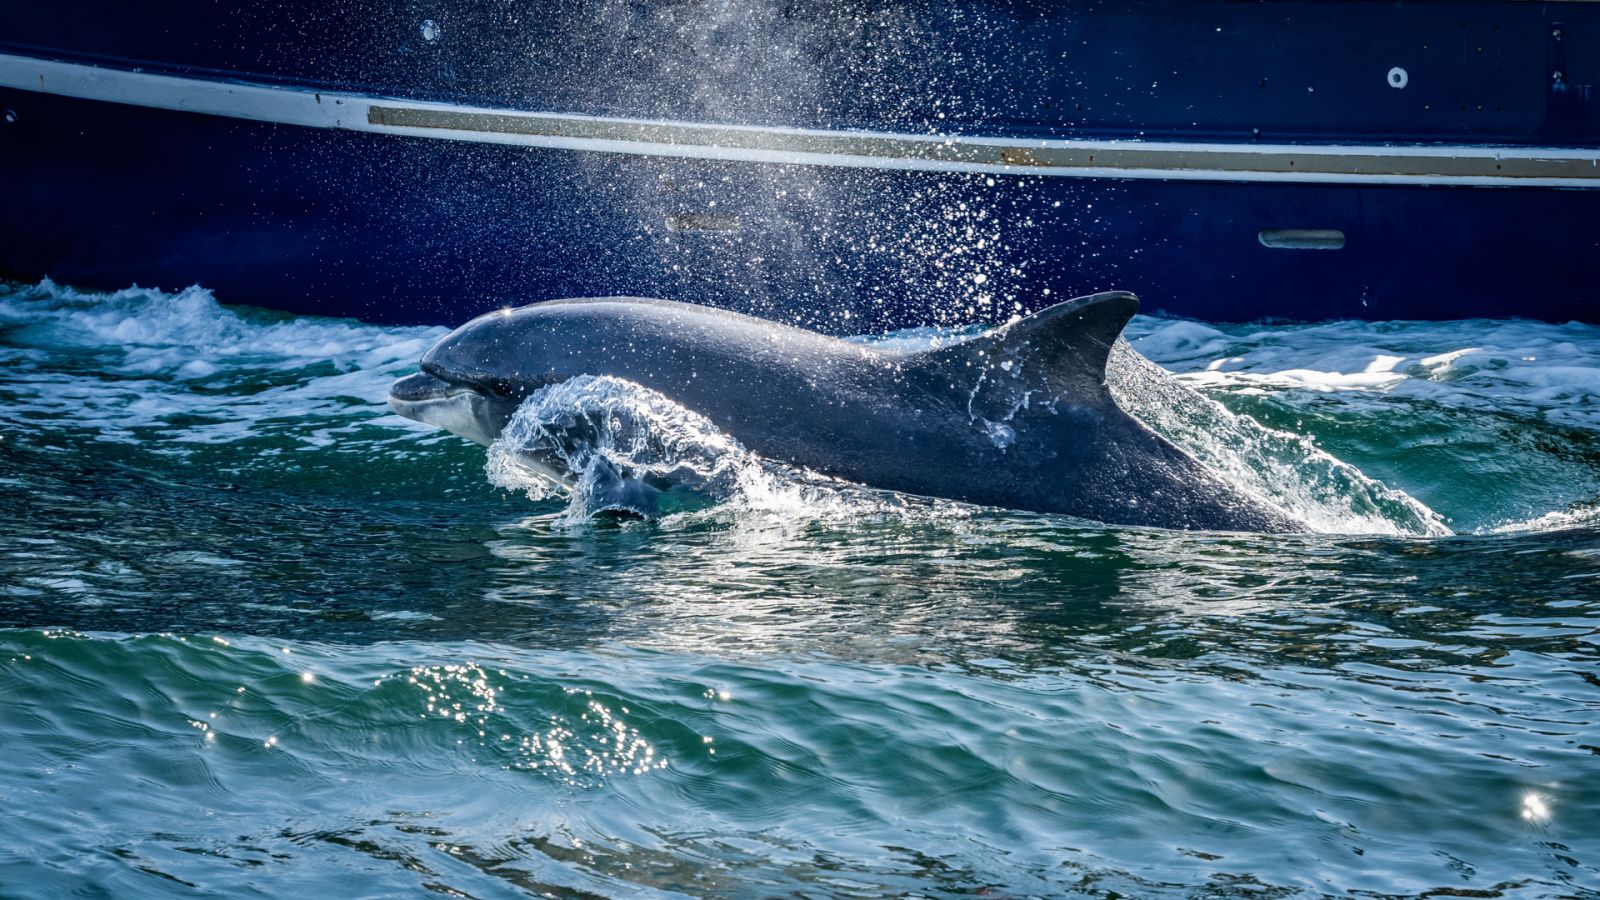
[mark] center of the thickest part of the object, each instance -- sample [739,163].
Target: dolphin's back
[1062,349]
[690,323]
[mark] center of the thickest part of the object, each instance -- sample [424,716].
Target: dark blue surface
[1479,71]
[394,229]
[398,229]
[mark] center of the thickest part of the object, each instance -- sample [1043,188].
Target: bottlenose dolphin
[1019,417]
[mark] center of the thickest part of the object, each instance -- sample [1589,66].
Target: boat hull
[403,203]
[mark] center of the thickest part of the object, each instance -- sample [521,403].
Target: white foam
[1584,514]
[190,371]
[1537,369]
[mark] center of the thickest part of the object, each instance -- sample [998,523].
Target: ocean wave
[142,365]
[236,763]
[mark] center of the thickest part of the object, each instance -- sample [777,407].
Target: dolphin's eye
[502,390]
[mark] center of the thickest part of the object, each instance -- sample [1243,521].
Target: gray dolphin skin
[1019,417]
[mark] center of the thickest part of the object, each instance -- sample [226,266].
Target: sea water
[259,636]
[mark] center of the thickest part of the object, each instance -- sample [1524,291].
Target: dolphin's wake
[1277,467]
[609,445]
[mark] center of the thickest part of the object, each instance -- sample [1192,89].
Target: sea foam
[183,368]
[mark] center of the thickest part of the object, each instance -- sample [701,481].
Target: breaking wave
[610,445]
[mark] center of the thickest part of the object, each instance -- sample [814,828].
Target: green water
[258,637]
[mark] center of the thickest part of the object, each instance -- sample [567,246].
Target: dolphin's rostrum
[1019,417]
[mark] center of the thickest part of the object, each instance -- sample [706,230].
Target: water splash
[1286,470]
[613,445]
[610,445]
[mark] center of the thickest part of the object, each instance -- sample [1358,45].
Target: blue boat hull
[419,226]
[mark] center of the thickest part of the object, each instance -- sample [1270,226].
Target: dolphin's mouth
[457,408]
[422,387]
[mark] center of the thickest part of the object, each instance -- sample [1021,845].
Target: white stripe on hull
[1350,164]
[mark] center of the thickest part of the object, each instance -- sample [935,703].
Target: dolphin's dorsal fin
[1060,348]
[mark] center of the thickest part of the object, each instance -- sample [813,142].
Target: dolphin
[1019,417]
